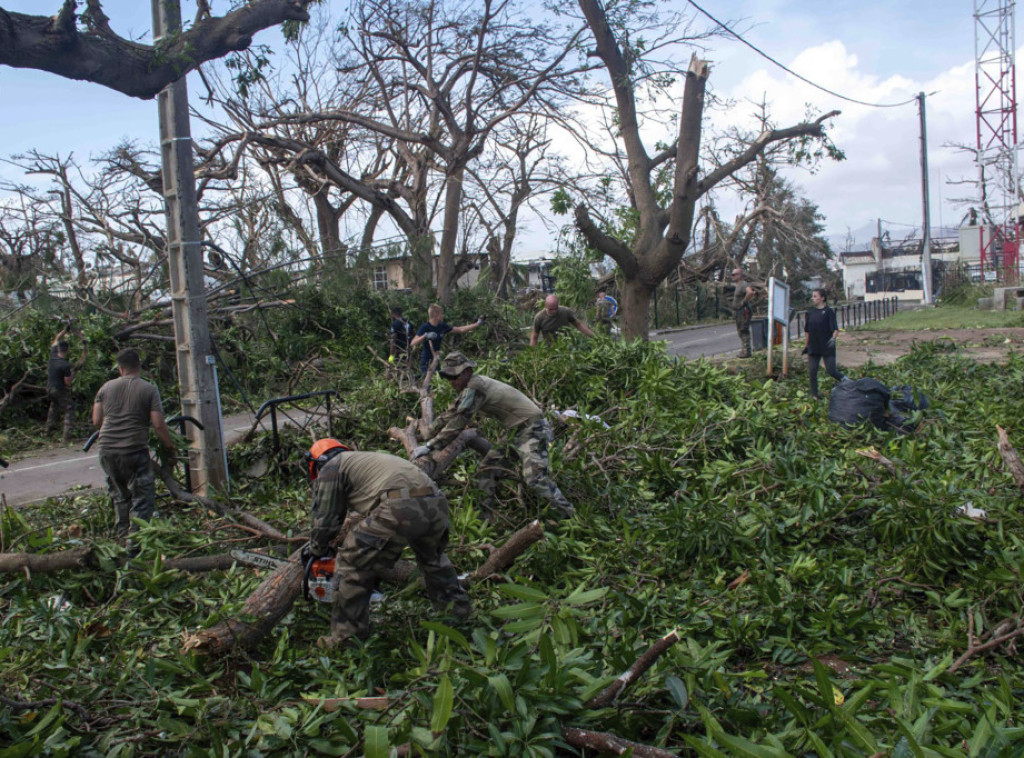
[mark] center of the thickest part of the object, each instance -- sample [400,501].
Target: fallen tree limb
[609,743]
[876,456]
[1003,633]
[38,705]
[199,563]
[179,494]
[435,464]
[499,559]
[1010,458]
[267,605]
[607,696]
[43,563]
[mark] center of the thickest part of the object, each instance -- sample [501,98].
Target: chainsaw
[317,579]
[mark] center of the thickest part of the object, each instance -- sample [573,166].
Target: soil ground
[989,345]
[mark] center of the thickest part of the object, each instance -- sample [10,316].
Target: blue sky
[877,51]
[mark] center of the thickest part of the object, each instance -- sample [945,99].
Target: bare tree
[83,45]
[661,226]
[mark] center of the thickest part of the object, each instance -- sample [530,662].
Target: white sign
[778,295]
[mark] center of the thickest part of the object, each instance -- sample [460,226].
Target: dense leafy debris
[821,598]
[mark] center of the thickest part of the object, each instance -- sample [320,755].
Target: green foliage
[820,600]
[949,316]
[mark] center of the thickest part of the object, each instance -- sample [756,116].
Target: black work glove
[306,554]
[831,344]
[804,351]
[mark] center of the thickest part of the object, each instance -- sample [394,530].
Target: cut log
[266,607]
[1010,458]
[43,563]
[199,563]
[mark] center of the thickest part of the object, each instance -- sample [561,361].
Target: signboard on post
[778,313]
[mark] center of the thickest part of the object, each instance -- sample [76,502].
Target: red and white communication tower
[996,87]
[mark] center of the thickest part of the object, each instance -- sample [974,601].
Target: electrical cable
[794,73]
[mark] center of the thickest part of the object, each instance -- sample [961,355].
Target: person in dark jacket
[821,329]
[59,375]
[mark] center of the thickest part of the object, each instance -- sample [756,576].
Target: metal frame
[995,80]
[272,404]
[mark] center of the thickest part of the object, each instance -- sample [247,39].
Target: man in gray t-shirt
[124,410]
[553,317]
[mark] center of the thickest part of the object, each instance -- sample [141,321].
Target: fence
[678,307]
[850,314]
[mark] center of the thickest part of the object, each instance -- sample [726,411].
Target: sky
[869,50]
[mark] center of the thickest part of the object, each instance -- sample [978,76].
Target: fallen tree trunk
[435,464]
[44,563]
[267,606]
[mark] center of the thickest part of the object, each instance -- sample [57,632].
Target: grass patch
[945,317]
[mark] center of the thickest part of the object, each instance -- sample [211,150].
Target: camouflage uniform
[400,506]
[532,436]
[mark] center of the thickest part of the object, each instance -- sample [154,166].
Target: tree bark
[609,743]
[266,606]
[45,563]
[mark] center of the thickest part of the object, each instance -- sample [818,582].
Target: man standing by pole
[124,410]
[742,295]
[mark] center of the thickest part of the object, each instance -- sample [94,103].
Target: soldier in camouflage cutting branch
[516,412]
[400,506]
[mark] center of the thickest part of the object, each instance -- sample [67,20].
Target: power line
[790,71]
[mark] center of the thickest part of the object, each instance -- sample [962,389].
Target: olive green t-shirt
[359,478]
[127,402]
[507,404]
[548,325]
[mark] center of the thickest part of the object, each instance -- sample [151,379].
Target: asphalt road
[70,471]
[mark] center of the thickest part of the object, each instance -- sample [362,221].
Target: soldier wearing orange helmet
[399,506]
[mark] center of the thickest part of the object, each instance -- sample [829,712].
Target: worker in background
[553,317]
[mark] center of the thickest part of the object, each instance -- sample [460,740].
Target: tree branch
[95,54]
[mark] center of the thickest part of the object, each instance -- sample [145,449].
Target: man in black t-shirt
[432,333]
[401,333]
[59,375]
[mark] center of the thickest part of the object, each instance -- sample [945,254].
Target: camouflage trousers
[375,543]
[61,404]
[531,444]
[743,331]
[131,483]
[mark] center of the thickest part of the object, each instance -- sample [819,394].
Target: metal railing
[272,406]
[177,421]
[851,314]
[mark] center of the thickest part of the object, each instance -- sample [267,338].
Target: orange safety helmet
[321,452]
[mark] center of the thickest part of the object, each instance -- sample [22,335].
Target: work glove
[804,351]
[431,336]
[419,452]
[479,320]
[306,554]
[831,343]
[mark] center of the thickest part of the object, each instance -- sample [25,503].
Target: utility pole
[196,367]
[926,231]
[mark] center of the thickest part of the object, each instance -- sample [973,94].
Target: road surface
[68,470]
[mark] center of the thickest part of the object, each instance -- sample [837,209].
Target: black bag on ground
[853,403]
[903,401]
